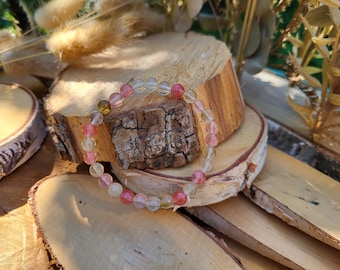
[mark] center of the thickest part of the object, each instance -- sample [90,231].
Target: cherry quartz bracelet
[115,189]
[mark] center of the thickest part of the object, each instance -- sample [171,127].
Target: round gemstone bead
[88,144]
[138,86]
[179,198]
[116,99]
[104,106]
[164,88]
[89,130]
[212,127]
[190,96]
[153,203]
[126,197]
[211,140]
[189,187]
[90,157]
[115,189]
[209,152]
[96,118]
[166,201]
[198,177]
[207,165]
[207,115]
[96,169]
[126,90]
[199,106]
[139,201]
[151,84]
[105,180]
[177,91]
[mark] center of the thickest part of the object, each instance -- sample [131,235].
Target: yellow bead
[104,106]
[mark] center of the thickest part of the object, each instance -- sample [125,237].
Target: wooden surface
[198,62]
[21,247]
[312,204]
[246,223]
[228,177]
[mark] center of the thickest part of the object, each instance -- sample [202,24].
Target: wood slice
[22,129]
[237,162]
[299,195]
[85,229]
[198,62]
[243,221]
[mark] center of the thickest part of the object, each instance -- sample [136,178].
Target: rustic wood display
[22,129]
[196,61]
[311,204]
[241,220]
[85,229]
[237,162]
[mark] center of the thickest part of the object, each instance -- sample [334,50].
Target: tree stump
[22,129]
[149,130]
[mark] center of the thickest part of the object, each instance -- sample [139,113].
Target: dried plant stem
[250,9]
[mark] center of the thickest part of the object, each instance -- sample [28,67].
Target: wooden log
[237,162]
[243,221]
[299,195]
[196,61]
[22,129]
[85,229]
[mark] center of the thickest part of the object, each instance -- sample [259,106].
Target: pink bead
[105,180]
[89,130]
[116,99]
[199,106]
[198,177]
[177,91]
[212,127]
[179,198]
[126,197]
[90,157]
[126,90]
[211,140]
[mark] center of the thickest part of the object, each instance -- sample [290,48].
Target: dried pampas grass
[73,42]
[56,12]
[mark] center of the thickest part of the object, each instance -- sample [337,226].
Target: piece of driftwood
[86,229]
[243,221]
[299,195]
[198,62]
[237,162]
[22,129]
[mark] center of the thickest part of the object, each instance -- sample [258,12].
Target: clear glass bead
[153,203]
[209,152]
[207,165]
[96,118]
[166,201]
[164,88]
[189,187]
[151,84]
[190,96]
[199,106]
[207,115]
[138,86]
[139,200]
[115,189]
[88,144]
[96,169]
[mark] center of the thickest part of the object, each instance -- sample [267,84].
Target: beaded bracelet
[115,189]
